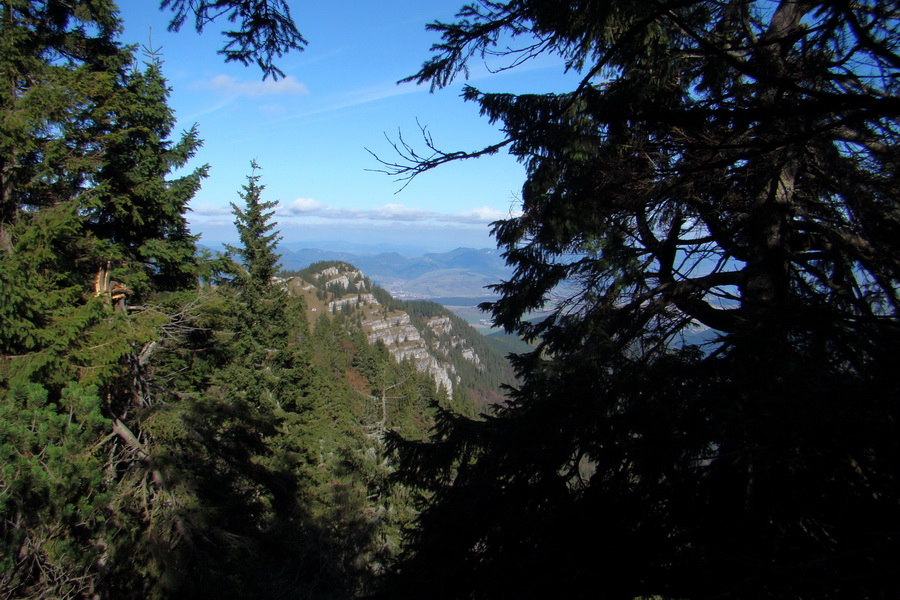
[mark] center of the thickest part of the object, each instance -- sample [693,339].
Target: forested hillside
[171,424]
[468,368]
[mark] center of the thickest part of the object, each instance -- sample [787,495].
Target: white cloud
[399,212]
[227,84]
[396,213]
[210,210]
[485,214]
[299,206]
[310,208]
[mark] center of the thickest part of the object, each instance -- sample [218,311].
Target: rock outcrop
[429,353]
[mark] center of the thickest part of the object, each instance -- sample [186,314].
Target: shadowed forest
[179,424]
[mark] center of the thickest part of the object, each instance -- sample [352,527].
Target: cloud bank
[309,219]
[309,207]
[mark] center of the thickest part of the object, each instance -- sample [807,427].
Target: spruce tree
[134,207]
[260,321]
[712,217]
[89,228]
[256,436]
[257,259]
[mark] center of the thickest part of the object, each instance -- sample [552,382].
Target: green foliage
[52,493]
[132,206]
[236,455]
[506,343]
[59,78]
[257,250]
[730,165]
[84,198]
[285,484]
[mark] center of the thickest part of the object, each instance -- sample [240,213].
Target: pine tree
[85,199]
[258,262]
[133,207]
[712,216]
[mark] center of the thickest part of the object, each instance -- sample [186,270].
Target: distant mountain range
[462,272]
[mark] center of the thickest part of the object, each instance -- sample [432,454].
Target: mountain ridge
[460,272]
[461,361]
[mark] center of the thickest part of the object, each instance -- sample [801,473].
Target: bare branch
[411,163]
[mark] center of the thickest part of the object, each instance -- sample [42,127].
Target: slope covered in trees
[726,164]
[161,438]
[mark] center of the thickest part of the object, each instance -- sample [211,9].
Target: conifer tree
[133,206]
[258,261]
[89,226]
[260,317]
[249,460]
[711,214]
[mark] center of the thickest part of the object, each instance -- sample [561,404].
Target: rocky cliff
[433,345]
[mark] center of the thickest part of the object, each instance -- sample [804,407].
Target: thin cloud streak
[227,84]
[192,118]
[358,98]
[383,91]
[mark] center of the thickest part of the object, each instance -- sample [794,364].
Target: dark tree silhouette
[265,29]
[713,216]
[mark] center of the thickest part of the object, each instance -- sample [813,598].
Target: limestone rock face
[440,325]
[429,350]
[470,355]
[357,300]
[393,331]
[342,281]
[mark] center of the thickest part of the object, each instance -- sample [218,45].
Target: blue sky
[310,130]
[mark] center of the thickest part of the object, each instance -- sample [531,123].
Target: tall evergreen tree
[133,206]
[260,319]
[84,199]
[712,215]
[257,432]
[257,250]
[263,304]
